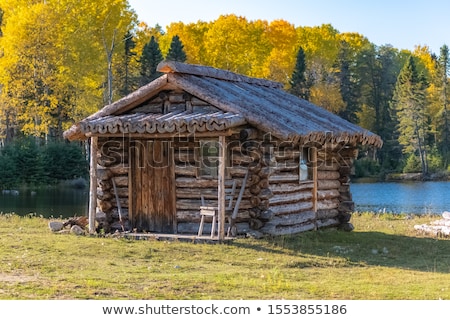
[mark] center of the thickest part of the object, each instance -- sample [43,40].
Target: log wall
[274,202]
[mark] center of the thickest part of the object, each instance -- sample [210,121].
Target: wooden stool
[208,212]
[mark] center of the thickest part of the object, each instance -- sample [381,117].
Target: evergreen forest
[61,61]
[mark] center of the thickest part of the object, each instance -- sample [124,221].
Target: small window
[209,158]
[304,166]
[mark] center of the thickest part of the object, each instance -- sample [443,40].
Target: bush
[26,162]
[64,161]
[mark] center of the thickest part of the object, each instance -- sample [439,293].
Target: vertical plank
[221,187]
[93,184]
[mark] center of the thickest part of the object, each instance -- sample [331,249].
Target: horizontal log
[328,184]
[291,208]
[290,187]
[328,194]
[287,165]
[194,204]
[328,175]
[192,228]
[327,204]
[121,181]
[328,166]
[194,216]
[287,154]
[184,156]
[326,214]
[119,170]
[238,158]
[189,171]
[291,219]
[210,193]
[123,202]
[280,231]
[291,197]
[283,177]
[237,172]
[195,183]
[328,223]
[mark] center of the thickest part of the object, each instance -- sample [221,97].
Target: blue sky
[401,23]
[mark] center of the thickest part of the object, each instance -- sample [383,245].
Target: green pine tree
[299,86]
[176,50]
[348,86]
[151,57]
[410,103]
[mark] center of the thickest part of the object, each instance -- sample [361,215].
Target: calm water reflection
[411,197]
[52,202]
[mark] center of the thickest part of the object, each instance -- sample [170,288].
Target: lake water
[395,197]
[51,202]
[402,197]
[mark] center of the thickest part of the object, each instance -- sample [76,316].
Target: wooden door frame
[131,177]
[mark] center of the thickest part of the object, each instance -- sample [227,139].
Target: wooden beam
[93,184]
[208,134]
[221,187]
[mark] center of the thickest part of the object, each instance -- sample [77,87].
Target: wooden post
[315,178]
[93,184]
[221,187]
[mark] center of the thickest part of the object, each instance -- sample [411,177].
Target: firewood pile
[75,225]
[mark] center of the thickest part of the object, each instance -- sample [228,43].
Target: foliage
[64,161]
[298,82]
[410,103]
[27,162]
[412,164]
[366,167]
[176,50]
[150,58]
[45,88]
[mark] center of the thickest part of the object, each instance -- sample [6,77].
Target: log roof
[239,100]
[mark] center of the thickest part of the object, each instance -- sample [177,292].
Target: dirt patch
[16,278]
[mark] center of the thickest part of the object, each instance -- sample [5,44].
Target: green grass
[383,258]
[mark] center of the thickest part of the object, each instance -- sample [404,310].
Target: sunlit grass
[383,258]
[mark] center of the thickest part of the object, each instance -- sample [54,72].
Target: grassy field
[383,258]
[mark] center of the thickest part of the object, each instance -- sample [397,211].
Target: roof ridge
[169,66]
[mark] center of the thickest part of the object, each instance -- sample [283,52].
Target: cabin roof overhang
[239,99]
[176,122]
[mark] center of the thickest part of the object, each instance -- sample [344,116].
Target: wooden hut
[163,153]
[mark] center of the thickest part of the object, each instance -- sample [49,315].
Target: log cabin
[169,150]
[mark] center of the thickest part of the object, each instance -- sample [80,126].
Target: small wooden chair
[209,211]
